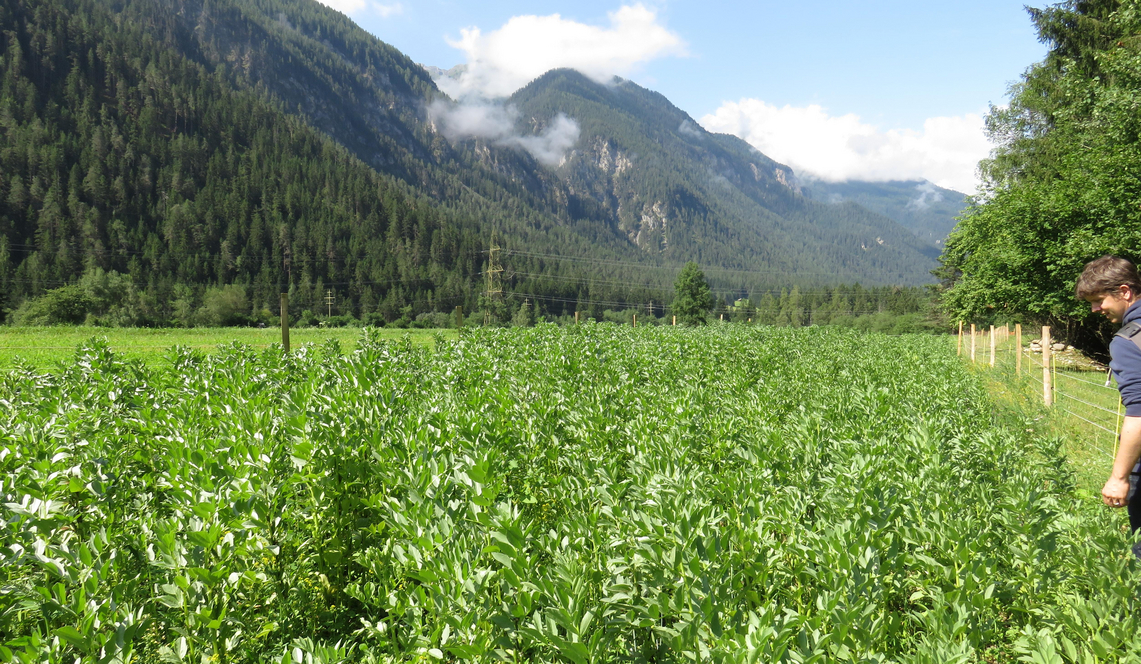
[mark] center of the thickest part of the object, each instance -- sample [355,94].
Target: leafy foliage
[1064,182]
[586,494]
[100,298]
[67,305]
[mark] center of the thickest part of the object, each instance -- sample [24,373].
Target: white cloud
[501,62]
[348,7]
[689,129]
[388,10]
[345,6]
[473,120]
[496,123]
[550,146]
[836,148]
[928,194]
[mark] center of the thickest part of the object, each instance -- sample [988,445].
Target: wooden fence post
[1018,348]
[972,342]
[959,347]
[1047,383]
[675,320]
[285,322]
[991,346]
[459,316]
[635,320]
[576,318]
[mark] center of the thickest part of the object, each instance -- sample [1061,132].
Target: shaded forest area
[123,163]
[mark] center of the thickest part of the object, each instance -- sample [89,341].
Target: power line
[591,281]
[213,254]
[666,266]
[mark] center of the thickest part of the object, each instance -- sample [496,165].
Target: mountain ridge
[145,158]
[928,210]
[626,121]
[505,175]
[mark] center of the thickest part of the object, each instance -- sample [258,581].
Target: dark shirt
[1126,365]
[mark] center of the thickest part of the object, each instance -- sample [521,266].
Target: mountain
[272,144]
[678,192]
[923,208]
[344,70]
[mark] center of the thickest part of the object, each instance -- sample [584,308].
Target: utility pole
[494,284]
[329,299]
[285,322]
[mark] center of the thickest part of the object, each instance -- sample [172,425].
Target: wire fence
[1082,392]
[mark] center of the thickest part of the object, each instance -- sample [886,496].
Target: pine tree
[782,310]
[767,310]
[792,313]
[692,299]
[525,317]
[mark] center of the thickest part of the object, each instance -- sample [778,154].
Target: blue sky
[870,90]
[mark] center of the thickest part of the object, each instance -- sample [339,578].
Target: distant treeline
[111,299]
[895,310]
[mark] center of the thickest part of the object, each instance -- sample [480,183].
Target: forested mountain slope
[925,209]
[273,144]
[677,191]
[377,87]
[119,154]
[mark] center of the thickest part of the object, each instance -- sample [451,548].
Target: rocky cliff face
[608,174]
[668,186]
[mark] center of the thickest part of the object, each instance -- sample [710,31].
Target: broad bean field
[582,494]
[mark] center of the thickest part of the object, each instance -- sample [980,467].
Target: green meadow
[48,347]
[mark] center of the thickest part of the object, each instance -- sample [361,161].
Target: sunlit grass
[1085,414]
[47,347]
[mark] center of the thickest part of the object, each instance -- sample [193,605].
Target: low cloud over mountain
[839,148]
[502,61]
[497,123]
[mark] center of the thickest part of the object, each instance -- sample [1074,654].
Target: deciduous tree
[1063,185]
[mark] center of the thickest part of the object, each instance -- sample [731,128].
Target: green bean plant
[581,494]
